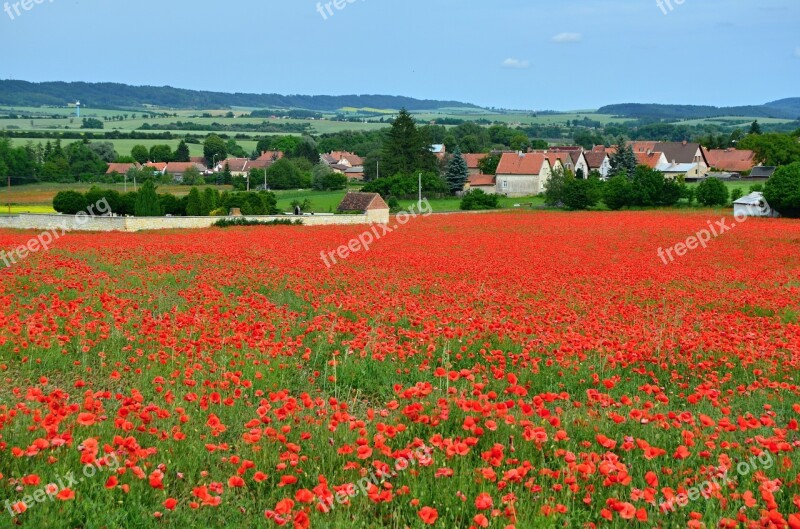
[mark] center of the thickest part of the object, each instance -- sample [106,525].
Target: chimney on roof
[649,152]
[685,142]
[520,154]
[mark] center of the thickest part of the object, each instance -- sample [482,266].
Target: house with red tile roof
[522,174]
[121,168]
[157,167]
[560,159]
[732,160]
[271,155]
[177,169]
[485,182]
[650,159]
[473,159]
[676,152]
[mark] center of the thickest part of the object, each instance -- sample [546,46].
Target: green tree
[755,128]
[782,191]
[283,174]
[772,148]
[147,203]
[105,150]
[618,192]
[406,150]
[324,178]
[209,201]
[554,187]
[306,149]
[579,194]
[623,161]
[488,164]
[140,153]
[69,202]
[194,205]
[182,153]
[214,149]
[160,153]
[712,192]
[92,123]
[457,172]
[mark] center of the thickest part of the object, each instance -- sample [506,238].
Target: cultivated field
[508,370]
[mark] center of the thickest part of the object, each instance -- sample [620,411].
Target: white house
[522,174]
[753,205]
[679,171]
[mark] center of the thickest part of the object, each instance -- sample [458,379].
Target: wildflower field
[503,370]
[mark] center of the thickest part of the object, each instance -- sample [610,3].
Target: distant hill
[783,109]
[122,96]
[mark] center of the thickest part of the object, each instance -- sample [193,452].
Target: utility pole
[419,205]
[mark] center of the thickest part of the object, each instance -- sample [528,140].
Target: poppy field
[502,370]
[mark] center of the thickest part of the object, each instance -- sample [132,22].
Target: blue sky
[564,55]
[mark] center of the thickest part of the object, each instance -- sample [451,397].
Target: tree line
[147,202]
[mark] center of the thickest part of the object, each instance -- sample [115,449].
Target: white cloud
[516,63]
[567,37]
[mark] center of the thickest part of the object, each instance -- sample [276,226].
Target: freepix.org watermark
[363,242]
[45,239]
[716,483]
[16,9]
[666,6]
[61,487]
[421,455]
[700,239]
[327,9]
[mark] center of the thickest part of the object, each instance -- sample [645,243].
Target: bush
[712,192]
[476,199]
[69,202]
[581,194]
[617,192]
[736,194]
[782,191]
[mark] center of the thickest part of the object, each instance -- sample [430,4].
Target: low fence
[31,221]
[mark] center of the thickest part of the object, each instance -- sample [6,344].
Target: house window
[505,184]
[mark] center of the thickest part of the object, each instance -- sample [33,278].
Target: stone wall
[28,221]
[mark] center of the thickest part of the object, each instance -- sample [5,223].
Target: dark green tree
[92,123]
[755,128]
[457,172]
[194,206]
[147,203]
[623,161]
[406,150]
[214,149]
[307,149]
[208,201]
[182,153]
